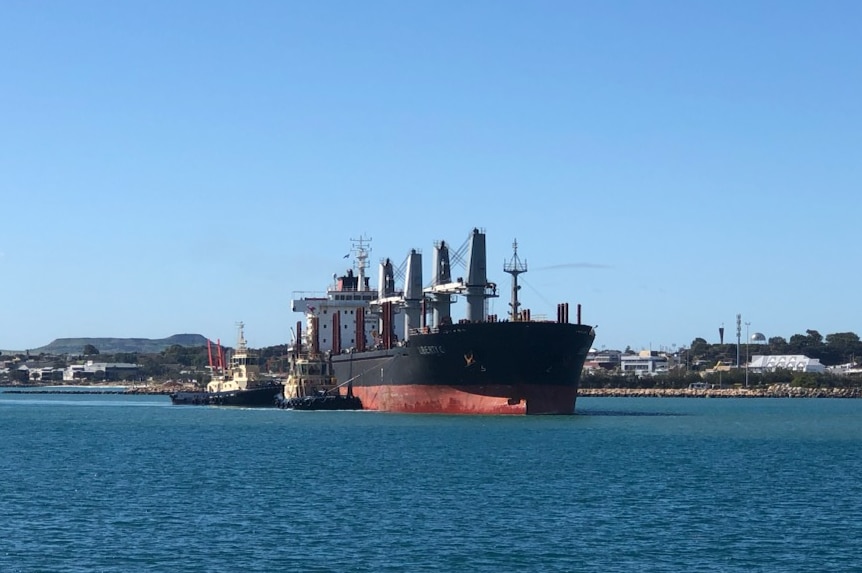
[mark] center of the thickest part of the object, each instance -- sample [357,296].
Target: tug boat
[311,383]
[238,384]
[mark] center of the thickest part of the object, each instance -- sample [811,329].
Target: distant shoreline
[136,389]
[776,391]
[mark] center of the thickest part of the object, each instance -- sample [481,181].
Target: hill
[113,345]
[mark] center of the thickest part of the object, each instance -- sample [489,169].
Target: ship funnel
[313,334]
[442,269]
[477,277]
[413,293]
[386,285]
[442,276]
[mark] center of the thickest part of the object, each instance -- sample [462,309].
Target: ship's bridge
[311,302]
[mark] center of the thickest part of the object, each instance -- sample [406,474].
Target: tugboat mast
[515,267]
[241,345]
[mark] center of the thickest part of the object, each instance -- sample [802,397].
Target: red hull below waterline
[432,399]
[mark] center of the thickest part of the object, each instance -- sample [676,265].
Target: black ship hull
[258,397]
[474,368]
[317,403]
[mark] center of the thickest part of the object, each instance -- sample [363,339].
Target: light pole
[747,342]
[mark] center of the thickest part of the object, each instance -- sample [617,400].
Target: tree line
[831,350]
[691,363]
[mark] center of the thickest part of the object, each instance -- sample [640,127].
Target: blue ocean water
[132,483]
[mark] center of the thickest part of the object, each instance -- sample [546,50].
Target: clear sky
[175,167]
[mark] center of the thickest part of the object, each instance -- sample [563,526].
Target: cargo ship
[237,382]
[401,350]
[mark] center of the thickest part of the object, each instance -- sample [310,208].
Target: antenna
[362,249]
[515,267]
[240,338]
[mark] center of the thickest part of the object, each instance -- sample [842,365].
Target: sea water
[132,483]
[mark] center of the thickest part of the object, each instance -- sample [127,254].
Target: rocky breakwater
[95,389]
[774,391]
[167,388]
[148,390]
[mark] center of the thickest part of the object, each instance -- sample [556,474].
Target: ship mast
[241,345]
[363,250]
[515,267]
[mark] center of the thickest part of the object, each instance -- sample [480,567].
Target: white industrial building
[645,363]
[794,362]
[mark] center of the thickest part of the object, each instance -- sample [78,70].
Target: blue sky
[172,167]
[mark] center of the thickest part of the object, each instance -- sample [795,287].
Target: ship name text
[431,350]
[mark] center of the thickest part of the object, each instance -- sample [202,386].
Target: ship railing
[323,295]
[351,289]
[424,330]
[308,294]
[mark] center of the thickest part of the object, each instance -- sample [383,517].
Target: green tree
[777,345]
[810,344]
[186,356]
[841,347]
[805,380]
[152,366]
[814,338]
[127,357]
[698,349]
[90,350]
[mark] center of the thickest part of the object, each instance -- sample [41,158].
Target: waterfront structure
[605,359]
[645,363]
[795,362]
[107,370]
[44,371]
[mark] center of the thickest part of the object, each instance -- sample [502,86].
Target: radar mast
[515,267]
[362,250]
